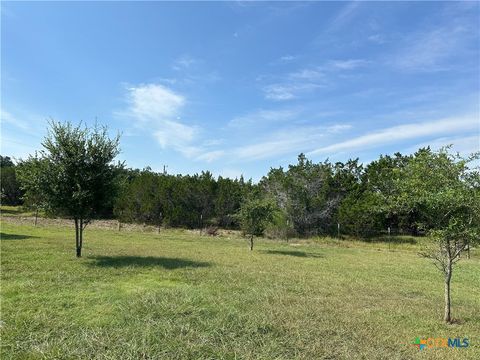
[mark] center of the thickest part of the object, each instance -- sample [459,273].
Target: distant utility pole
[165,169]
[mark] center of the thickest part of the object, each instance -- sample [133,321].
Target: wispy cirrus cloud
[348,64]
[21,132]
[399,133]
[7,118]
[308,79]
[343,17]
[184,62]
[263,117]
[23,121]
[287,58]
[291,140]
[464,144]
[189,71]
[377,39]
[430,50]
[210,156]
[310,74]
[289,90]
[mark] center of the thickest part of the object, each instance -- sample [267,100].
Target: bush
[211,230]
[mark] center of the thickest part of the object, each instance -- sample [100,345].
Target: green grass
[17,211]
[178,295]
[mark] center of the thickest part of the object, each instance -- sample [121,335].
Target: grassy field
[179,295]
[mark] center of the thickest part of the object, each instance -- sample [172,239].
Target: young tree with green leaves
[30,175]
[77,176]
[445,191]
[254,215]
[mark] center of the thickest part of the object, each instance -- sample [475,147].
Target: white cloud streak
[349,64]
[306,80]
[210,156]
[183,62]
[287,141]
[288,91]
[8,118]
[287,58]
[463,144]
[429,50]
[347,12]
[400,133]
[261,117]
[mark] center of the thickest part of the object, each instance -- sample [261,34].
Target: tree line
[306,198]
[179,201]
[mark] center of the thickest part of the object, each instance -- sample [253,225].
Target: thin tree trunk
[448,277]
[82,226]
[77,238]
[251,242]
[158,229]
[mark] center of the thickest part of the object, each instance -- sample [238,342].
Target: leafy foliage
[11,193]
[78,180]
[75,176]
[310,194]
[30,175]
[444,193]
[255,215]
[184,201]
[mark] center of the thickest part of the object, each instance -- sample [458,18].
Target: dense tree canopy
[186,201]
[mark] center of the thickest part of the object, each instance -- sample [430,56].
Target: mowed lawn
[179,295]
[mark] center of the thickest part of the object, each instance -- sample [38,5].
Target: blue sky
[239,87]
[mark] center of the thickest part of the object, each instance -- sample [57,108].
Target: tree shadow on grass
[293,253]
[5,236]
[145,261]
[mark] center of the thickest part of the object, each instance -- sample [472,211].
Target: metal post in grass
[389,238]
[286,231]
[159,224]
[36,215]
[338,230]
